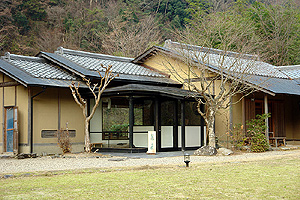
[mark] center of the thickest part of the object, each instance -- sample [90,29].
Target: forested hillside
[128,27]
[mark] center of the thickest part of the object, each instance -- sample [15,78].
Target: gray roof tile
[232,61]
[292,71]
[38,67]
[276,80]
[155,90]
[35,71]
[93,61]
[82,71]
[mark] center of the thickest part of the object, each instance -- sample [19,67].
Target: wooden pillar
[157,126]
[175,126]
[131,121]
[230,116]
[266,120]
[244,114]
[182,125]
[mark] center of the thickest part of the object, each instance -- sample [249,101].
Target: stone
[21,156]
[206,151]
[245,148]
[4,156]
[225,152]
[8,176]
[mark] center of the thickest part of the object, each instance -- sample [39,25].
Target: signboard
[151,142]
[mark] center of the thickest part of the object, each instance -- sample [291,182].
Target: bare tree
[94,89]
[221,77]
[131,39]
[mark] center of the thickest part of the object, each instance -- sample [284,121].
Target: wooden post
[182,125]
[157,124]
[175,126]
[230,116]
[244,114]
[266,120]
[131,121]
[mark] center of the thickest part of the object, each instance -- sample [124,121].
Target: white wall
[141,139]
[166,136]
[192,136]
[96,123]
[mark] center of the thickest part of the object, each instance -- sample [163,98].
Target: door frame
[15,129]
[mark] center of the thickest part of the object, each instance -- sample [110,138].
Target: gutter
[31,117]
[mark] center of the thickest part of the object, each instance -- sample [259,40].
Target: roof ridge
[8,56]
[61,50]
[171,44]
[287,67]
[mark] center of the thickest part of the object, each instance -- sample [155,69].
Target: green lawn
[269,179]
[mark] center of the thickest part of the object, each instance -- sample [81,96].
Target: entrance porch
[127,113]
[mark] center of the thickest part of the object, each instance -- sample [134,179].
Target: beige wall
[48,108]
[22,104]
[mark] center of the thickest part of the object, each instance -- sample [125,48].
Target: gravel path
[82,161]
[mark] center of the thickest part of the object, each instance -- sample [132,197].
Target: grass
[268,179]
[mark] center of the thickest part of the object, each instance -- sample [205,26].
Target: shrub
[64,142]
[237,135]
[256,133]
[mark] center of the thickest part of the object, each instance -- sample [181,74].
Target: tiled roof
[37,67]
[268,78]
[231,61]
[34,71]
[82,71]
[276,85]
[292,71]
[155,90]
[93,61]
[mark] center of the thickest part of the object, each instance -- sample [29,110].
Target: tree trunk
[87,137]
[210,128]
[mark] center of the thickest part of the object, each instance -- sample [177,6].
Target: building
[277,87]
[37,102]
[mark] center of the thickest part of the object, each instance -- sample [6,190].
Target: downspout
[31,117]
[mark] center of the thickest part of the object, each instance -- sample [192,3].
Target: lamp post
[186,157]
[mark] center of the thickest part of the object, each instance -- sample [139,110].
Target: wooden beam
[10,83]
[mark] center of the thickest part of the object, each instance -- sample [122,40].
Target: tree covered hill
[128,27]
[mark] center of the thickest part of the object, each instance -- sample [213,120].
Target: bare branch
[94,89]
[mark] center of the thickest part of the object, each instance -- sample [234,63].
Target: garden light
[186,157]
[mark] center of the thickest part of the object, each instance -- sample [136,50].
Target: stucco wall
[22,103]
[53,109]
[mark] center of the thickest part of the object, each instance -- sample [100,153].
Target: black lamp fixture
[186,157]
